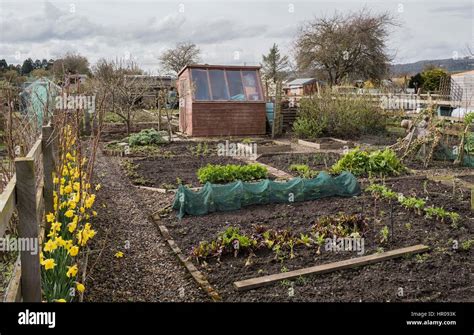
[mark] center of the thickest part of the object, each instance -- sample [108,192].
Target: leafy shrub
[377,162]
[308,128]
[145,137]
[228,173]
[338,116]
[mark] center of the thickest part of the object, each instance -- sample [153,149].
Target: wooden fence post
[28,227]
[47,144]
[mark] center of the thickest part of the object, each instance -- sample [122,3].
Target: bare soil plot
[167,172]
[443,274]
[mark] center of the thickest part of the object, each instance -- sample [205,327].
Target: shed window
[200,84]
[236,89]
[226,85]
[218,85]
[251,88]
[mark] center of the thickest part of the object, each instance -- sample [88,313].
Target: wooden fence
[30,192]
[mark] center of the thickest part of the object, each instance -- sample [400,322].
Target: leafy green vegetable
[359,162]
[217,174]
[303,170]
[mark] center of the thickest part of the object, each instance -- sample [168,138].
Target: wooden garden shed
[220,100]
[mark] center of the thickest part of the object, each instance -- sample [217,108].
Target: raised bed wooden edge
[252,283]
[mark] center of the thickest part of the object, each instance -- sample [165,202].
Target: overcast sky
[228,32]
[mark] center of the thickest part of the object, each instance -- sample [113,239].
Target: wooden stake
[28,228]
[472,199]
[48,168]
[325,268]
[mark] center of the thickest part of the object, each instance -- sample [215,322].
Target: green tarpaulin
[233,196]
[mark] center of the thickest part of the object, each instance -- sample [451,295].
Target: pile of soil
[443,274]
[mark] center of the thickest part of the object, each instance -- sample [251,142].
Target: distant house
[148,87]
[462,88]
[221,100]
[302,86]
[74,79]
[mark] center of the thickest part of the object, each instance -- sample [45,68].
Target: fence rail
[30,192]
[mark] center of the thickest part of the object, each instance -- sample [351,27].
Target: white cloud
[109,29]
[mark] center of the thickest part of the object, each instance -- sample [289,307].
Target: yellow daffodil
[50,217]
[76,187]
[50,246]
[67,189]
[90,201]
[49,264]
[79,237]
[52,233]
[71,226]
[56,226]
[91,233]
[55,180]
[74,250]
[72,271]
[60,242]
[118,254]
[72,204]
[68,244]
[80,287]
[94,213]
[69,213]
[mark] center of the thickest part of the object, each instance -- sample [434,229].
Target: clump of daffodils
[70,227]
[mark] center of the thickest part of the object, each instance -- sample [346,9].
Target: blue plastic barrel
[269,110]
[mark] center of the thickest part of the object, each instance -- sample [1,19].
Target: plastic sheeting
[233,196]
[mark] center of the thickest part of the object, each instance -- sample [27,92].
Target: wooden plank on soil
[193,271]
[276,172]
[325,268]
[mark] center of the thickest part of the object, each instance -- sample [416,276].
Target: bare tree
[348,46]
[182,54]
[70,63]
[119,82]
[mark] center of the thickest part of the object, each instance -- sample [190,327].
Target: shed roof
[469,73]
[301,81]
[208,66]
